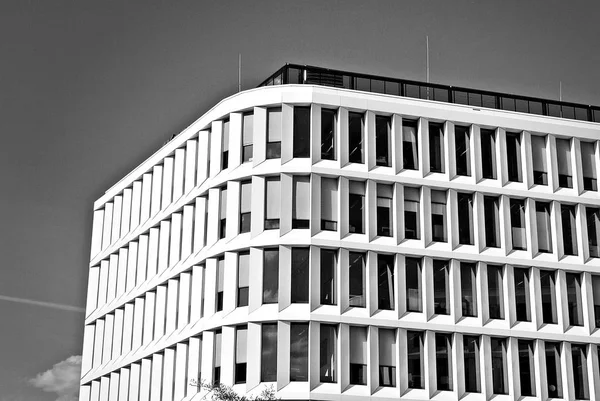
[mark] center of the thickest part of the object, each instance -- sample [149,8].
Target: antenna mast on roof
[560,90]
[240,72]
[427,59]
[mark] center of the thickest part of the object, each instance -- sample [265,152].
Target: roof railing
[311,75]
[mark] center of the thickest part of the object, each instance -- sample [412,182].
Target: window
[241,342]
[517,223]
[569,232]
[357,279]
[472,366]
[217,363]
[548,289]
[574,301]
[411,213]
[465,222]
[522,294]
[329,204]
[580,372]
[593,227]
[387,357]
[328,354]
[243,278]
[383,129]
[268,355]
[488,153]
[436,148]
[410,159]
[468,288]
[565,170]
[540,165]
[495,292]
[384,210]
[223,213]
[328,133]
[358,355]
[596,296]
[245,206]
[463,150]
[220,282]
[492,221]
[299,352]
[273,203]
[225,145]
[499,370]
[247,136]
[270,276]
[301,202]
[416,369]
[438,216]
[301,131]
[355,137]
[300,275]
[328,269]
[356,210]
[441,291]
[413,285]
[443,361]
[385,281]
[553,370]
[274,133]
[513,153]
[588,165]
[526,369]
[544,232]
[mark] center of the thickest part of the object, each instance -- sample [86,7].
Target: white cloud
[62,379]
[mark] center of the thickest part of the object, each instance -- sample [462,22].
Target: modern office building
[342,236]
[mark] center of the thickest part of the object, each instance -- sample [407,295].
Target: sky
[90,89]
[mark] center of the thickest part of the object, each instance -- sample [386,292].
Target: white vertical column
[372,295]
[208,348]
[233,209]
[210,287]
[146,199]
[103,283]
[123,384]
[259,147]
[175,244]
[429,365]
[167,184]
[131,266]
[526,157]
[149,307]
[134,382]
[235,140]
[341,141]
[97,230]
[194,362]
[98,341]
[373,359]
[109,321]
[254,352]
[501,165]
[142,261]
[156,377]
[84,393]
[145,379]
[315,133]
[258,198]
[127,328]
[566,368]
[369,140]
[163,246]
[107,225]
[283,354]
[370,209]
[284,279]
[112,278]
[181,381]
[159,314]
[92,289]
[116,218]
[104,388]
[117,334]
[190,165]
[167,374]
[228,355]
[287,132]
[200,221]
[196,294]
[475,150]
[203,157]
[88,348]
[396,143]
[138,319]
[95,390]
[450,149]
[136,203]
[187,231]
[157,173]
[178,173]
[216,135]
[121,272]
[212,232]
[113,392]
[171,308]
[230,284]
[183,306]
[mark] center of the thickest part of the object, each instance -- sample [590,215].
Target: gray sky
[89,89]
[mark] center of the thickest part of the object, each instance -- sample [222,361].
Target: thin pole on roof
[560,90]
[239,72]
[427,45]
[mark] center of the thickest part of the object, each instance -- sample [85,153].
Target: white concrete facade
[164,281]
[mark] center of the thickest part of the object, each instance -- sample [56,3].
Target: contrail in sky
[40,303]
